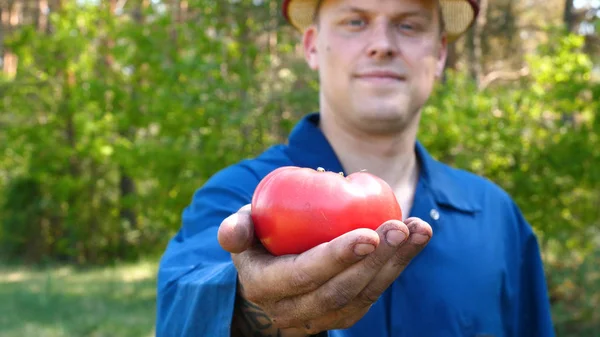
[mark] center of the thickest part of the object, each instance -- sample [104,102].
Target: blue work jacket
[480,275]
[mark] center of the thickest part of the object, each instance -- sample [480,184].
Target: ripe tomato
[295,209]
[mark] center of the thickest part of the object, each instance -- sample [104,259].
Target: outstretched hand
[330,286]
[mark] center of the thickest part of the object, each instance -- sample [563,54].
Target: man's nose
[383,42]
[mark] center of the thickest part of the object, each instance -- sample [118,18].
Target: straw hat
[459,15]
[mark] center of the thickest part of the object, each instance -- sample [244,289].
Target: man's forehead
[428,9]
[376,3]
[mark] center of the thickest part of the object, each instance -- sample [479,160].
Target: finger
[236,232]
[341,290]
[272,278]
[420,235]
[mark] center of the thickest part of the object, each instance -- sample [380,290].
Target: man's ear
[309,43]
[442,56]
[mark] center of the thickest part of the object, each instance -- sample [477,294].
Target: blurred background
[112,112]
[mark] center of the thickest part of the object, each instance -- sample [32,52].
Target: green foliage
[113,121]
[537,138]
[120,118]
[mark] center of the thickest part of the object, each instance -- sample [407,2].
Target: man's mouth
[381,76]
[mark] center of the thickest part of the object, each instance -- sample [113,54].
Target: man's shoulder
[231,187]
[247,173]
[475,180]
[477,188]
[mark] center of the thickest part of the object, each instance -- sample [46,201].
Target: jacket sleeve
[196,277]
[531,310]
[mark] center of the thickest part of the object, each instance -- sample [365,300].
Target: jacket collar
[308,147]
[447,184]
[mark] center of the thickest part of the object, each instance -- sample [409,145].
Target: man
[479,275]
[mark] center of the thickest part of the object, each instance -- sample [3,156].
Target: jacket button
[434,214]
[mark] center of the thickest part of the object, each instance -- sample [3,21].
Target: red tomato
[295,209]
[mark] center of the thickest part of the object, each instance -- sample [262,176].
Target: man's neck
[391,157]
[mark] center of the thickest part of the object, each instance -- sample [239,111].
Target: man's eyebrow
[408,13]
[349,8]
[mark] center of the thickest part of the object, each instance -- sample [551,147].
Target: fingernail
[395,237]
[363,249]
[419,238]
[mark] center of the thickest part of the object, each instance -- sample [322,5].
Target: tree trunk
[569,16]
[42,19]
[126,182]
[476,64]
[11,18]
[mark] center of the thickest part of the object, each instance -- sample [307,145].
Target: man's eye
[406,26]
[356,22]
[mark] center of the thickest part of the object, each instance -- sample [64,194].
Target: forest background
[112,113]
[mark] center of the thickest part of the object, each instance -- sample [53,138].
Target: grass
[574,282]
[120,301]
[62,301]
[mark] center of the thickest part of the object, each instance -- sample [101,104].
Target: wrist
[250,320]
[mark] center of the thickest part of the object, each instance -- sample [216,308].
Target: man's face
[377,60]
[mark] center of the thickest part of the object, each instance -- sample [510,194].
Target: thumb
[236,232]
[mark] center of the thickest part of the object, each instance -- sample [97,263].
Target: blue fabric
[481,274]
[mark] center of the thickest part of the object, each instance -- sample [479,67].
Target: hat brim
[459,15]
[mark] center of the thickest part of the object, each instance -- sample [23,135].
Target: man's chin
[384,109]
[381,119]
